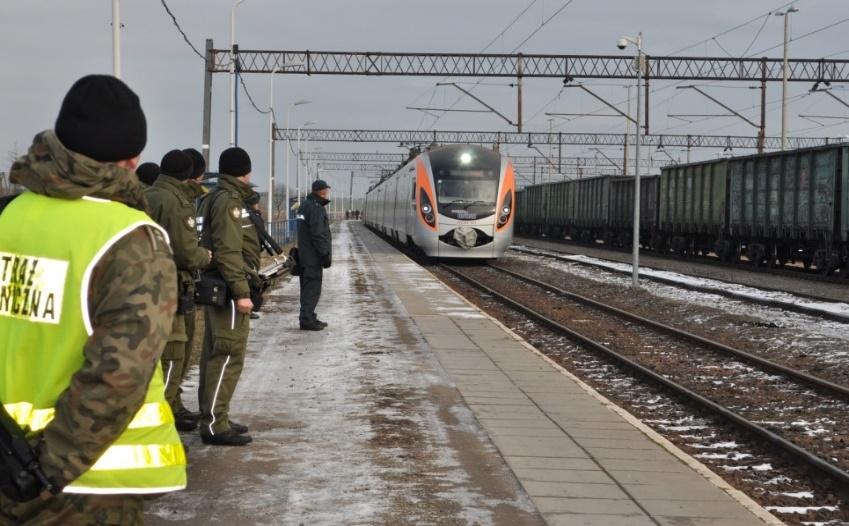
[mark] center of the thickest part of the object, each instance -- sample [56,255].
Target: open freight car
[773,208]
[589,210]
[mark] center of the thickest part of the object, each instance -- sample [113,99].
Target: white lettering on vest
[32,287]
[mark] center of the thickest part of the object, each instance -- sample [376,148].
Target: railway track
[756,395]
[786,271]
[788,306]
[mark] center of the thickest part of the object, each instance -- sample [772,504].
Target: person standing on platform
[173,209]
[83,378]
[147,173]
[314,252]
[232,238]
[194,191]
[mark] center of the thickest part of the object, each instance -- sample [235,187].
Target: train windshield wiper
[460,202]
[473,203]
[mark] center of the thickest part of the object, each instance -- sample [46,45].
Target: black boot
[185,420]
[228,438]
[323,323]
[238,428]
[311,326]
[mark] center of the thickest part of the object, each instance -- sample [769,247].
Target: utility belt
[212,290]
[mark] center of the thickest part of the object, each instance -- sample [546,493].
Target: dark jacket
[314,243]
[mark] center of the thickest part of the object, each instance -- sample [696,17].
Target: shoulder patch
[236,212]
[191,223]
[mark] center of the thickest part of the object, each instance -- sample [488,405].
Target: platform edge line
[743,499]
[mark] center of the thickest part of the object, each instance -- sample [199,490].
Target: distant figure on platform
[314,251]
[147,173]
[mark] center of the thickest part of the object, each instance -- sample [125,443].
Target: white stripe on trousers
[215,396]
[168,374]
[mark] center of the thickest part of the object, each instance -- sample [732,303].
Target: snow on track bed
[764,474]
[833,310]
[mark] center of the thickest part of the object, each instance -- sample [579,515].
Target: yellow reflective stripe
[27,417]
[149,415]
[152,415]
[135,457]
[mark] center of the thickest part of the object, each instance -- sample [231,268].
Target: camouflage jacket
[171,207]
[230,235]
[131,302]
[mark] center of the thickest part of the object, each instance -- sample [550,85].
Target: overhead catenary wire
[800,37]
[525,41]
[735,28]
[483,50]
[707,40]
[251,99]
[180,29]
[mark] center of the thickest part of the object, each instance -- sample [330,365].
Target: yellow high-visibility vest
[48,250]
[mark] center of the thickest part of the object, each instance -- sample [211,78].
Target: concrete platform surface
[416,408]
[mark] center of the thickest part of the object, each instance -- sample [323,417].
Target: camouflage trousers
[74,510]
[175,364]
[222,358]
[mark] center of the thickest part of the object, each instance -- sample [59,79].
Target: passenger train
[454,201]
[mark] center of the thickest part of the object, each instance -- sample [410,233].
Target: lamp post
[306,175]
[116,38]
[786,15]
[233,73]
[271,146]
[300,102]
[635,257]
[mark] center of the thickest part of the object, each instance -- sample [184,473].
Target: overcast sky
[48,44]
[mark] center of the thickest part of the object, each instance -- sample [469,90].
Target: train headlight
[426,209]
[506,209]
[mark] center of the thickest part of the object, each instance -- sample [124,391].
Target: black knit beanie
[147,173]
[198,162]
[176,164]
[234,161]
[102,118]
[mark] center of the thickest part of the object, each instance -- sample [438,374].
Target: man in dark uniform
[314,252]
[232,238]
[171,207]
[147,173]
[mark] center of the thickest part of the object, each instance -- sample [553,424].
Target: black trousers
[310,279]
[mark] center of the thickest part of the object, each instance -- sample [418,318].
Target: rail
[824,467]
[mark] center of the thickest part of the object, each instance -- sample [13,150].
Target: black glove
[325,261]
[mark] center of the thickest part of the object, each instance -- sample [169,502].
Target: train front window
[466,181]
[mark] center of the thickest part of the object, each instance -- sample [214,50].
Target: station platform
[414,407]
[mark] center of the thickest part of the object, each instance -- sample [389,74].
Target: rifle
[21,476]
[265,240]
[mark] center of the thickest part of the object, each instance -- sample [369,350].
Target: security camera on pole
[622,43]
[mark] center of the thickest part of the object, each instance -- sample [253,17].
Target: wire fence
[283,230]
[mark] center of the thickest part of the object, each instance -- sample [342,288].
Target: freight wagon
[772,209]
[588,210]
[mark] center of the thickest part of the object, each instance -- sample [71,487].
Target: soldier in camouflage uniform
[194,191]
[131,297]
[147,173]
[171,207]
[233,240]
